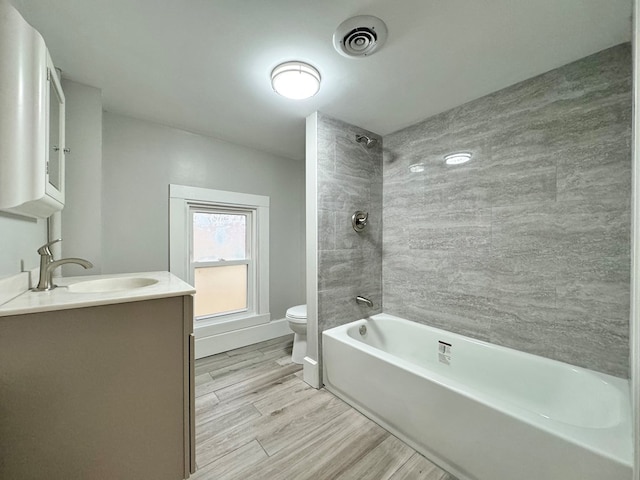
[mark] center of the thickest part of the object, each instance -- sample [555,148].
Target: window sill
[205,329]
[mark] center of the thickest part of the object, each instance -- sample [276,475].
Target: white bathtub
[481,411]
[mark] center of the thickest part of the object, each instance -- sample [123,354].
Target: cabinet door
[32,108]
[94,393]
[56,139]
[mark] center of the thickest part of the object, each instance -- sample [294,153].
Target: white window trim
[181,198]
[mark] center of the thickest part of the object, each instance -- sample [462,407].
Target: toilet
[297,318]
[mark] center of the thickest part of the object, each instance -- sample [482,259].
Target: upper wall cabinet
[32,113]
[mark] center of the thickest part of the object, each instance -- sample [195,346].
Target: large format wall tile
[453,231]
[527,245]
[562,229]
[599,171]
[349,263]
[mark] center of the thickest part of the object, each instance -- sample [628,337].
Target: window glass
[221,289]
[219,236]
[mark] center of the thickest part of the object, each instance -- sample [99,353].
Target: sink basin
[116,284]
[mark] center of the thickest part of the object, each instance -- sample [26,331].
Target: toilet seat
[297,314]
[297,321]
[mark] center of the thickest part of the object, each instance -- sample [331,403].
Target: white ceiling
[204,65]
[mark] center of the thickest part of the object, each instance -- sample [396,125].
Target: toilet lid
[298,312]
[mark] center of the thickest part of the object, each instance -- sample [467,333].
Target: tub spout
[364,301]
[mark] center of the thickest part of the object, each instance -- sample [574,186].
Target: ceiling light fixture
[457,158]
[417,167]
[295,80]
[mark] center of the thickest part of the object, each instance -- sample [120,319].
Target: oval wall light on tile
[295,80]
[457,158]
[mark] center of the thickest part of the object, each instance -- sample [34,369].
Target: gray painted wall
[20,237]
[81,216]
[528,244]
[349,263]
[141,159]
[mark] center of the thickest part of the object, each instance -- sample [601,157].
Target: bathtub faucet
[364,301]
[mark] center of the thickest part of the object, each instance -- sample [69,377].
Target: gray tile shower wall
[528,244]
[349,263]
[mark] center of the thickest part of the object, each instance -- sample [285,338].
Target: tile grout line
[262,447]
[403,464]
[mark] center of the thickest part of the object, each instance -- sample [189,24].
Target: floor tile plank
[264,377]
[381,462]
[286,385]
[281,349]
[223,436]
[228,466]
[419,468]
[262,345]
[330,449]
[222,360]
[242,371]
[204,384]
[204,406]
[298,421]
[290,394]
[234,420]
[256,419]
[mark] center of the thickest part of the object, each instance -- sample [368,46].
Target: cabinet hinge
[48,74]
[47,168]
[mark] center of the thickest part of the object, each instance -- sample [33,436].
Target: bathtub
[480,411]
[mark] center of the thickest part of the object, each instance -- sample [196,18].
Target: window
[222,267]
[219,244]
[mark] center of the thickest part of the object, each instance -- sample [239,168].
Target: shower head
[366,141]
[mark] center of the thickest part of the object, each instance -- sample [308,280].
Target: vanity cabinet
[32,121]
[101,392]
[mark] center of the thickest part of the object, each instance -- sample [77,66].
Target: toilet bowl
[297,318]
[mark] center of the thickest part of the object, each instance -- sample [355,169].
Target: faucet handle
[44,249]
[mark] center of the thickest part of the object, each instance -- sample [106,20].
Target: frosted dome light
[295,80]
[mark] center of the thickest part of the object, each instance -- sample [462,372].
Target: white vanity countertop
[168,285]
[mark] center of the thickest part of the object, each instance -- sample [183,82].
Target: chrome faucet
[364,301]
[48,265]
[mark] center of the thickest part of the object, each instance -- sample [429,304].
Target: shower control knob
[359,220]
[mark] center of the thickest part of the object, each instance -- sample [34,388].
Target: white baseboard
[311,372]
[223,342]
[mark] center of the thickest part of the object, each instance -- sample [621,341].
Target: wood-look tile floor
[257,419]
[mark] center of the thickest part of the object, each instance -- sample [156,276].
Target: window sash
[250,248]
[230,297]
[213,210]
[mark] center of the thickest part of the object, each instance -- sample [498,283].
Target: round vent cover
[360,36]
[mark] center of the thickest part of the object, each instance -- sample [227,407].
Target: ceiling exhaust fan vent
[360,36]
